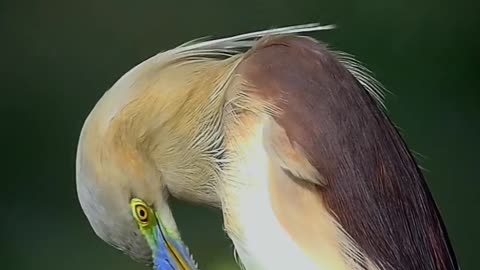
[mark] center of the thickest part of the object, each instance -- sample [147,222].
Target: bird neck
[175,123]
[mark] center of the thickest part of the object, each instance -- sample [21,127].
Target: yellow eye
[142,213]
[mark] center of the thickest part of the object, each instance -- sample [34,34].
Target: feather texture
[330,113]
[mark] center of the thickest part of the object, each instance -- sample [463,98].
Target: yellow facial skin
[166,250]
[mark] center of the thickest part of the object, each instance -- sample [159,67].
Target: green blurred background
[58,57]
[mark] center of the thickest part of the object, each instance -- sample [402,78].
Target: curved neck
[175,123]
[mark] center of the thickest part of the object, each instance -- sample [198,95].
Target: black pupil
[141,212]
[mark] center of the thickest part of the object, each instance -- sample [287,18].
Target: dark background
[58,57]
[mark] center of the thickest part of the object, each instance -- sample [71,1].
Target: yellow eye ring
[141,212]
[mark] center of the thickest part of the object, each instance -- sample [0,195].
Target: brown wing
[333,125]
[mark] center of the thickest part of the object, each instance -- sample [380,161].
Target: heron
[289,138]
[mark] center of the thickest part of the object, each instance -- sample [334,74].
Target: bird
[289,138]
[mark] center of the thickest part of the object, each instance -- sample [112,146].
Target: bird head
[121,189]
[134,219]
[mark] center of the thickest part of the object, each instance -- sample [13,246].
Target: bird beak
[171,251]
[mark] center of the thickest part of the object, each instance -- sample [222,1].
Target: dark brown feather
[374,186]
